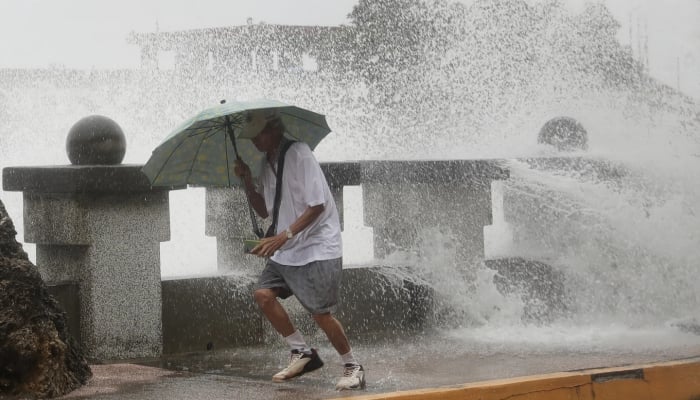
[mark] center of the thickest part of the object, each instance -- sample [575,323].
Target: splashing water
[627,243]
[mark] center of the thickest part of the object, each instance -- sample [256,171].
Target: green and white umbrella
[203,149]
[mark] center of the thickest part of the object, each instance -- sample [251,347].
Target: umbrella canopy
[202,150]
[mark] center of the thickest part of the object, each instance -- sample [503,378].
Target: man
[304,254]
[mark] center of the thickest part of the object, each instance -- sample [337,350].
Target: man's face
[265,141]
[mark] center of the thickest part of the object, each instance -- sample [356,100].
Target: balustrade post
[417,206]
[227,218]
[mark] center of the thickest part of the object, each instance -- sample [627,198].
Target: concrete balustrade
[99,229]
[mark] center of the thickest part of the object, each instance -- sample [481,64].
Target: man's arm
[256,199]
[305,219]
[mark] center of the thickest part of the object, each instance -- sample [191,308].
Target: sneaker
[300,362]
[353,378]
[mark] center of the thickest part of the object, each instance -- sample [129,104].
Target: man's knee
[322,318]
[264,296]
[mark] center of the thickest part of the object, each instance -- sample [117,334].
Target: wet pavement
[392,365]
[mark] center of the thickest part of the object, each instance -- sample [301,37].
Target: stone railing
[98,225]
[98,228]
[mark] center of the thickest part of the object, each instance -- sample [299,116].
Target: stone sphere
[564,133]
[96,140]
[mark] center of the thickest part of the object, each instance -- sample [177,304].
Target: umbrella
[202,150]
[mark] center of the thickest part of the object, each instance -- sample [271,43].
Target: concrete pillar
[101,227]
[414,205]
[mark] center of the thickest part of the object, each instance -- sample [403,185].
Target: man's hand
[241,169]
[268,246]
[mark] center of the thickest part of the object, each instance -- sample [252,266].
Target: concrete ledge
[373,305]
[204,313]
[209,312]
[674,380]
[339,174]
[79,179]
[433,172]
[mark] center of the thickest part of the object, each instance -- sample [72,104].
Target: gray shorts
[315,284]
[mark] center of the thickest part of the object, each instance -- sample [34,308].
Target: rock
[540,286]
[38,357]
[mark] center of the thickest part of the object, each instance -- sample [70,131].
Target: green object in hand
[250,244]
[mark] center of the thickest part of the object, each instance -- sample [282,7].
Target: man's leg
[302,359]
[273,310]
[334,331]
[353,373]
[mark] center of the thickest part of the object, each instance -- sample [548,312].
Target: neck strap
[272,230]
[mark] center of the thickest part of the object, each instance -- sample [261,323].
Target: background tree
[395,53]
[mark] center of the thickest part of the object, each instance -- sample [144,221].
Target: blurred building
[252,47]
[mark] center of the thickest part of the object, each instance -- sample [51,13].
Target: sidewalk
[391,367]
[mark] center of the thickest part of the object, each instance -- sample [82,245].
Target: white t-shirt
[303,186]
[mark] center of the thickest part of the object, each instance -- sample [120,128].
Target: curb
[673,380]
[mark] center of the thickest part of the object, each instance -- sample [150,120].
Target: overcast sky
[92,33]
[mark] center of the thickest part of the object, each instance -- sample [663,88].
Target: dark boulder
[38,357]
[540,286]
